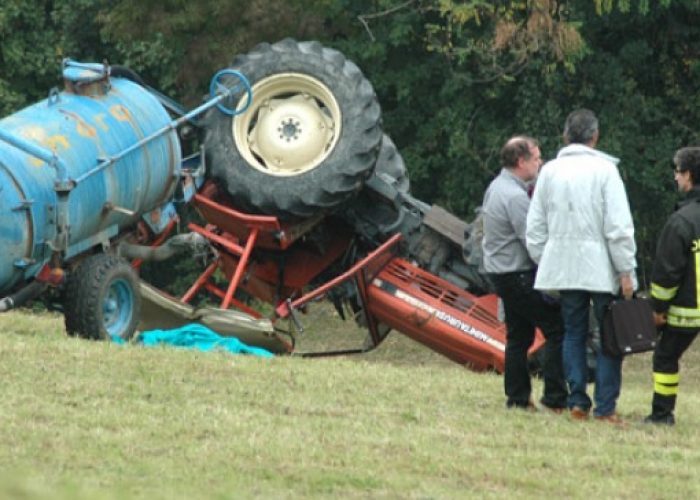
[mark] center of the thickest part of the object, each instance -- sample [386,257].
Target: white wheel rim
[291,126]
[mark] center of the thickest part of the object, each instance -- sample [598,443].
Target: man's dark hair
[688,159]
[580,127]
[515,148]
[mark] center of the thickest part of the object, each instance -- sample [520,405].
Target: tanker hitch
[47,276]
[24,295]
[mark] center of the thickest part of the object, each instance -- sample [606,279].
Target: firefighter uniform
[675,290]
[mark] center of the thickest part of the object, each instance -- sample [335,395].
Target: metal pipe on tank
[37,151]
[62,185]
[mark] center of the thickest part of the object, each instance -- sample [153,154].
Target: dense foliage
[455,78]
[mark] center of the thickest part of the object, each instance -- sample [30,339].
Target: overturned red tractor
[301,196]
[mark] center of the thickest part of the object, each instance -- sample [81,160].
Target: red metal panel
[215,207]
[432,311]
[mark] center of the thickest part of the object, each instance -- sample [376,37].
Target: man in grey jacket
[580,232]
[513,274]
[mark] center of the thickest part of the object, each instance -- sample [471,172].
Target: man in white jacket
[580,233]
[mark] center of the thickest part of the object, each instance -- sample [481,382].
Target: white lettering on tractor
[444,317]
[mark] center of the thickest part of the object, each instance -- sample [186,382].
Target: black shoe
[558,410]
[530,406]
[667,419]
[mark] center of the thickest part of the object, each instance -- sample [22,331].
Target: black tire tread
[342,173]
[84,294]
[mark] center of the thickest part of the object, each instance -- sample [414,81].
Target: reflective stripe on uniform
[666,390]
[661,293]
[667,378]
[697,278]
[684,317]
[666,384]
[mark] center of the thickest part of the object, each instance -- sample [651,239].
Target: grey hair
[580,127]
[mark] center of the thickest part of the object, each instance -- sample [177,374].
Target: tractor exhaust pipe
[175,245]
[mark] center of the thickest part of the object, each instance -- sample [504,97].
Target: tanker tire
[102,300]
[391,167]
[284,156]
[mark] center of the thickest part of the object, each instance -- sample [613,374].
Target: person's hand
[627,286]
[659,319]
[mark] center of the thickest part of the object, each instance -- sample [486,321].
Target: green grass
[82,419]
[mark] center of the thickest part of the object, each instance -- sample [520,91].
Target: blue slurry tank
[78,167]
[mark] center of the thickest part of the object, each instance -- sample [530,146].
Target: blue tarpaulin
[196,336]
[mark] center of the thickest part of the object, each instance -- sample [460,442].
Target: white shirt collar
[582,149]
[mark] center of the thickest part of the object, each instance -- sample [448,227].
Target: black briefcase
[628,328]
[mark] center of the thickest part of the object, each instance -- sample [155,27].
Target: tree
[37,35]
[178,45]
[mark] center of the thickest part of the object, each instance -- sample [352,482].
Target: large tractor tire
[309,138]
[102,299]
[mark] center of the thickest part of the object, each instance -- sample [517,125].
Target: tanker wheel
[309,138]
[102,300]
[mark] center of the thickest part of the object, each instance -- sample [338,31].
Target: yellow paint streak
[33,133]
[36,134]
[39,135]
[81,126]
[100,120]
[85,129]
[57,141]
[120,113]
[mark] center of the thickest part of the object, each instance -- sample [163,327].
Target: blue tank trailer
[95,164]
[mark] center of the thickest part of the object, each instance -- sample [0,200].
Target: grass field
[84,419]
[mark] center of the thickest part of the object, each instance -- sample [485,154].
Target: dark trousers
[672,344]
[526,309]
